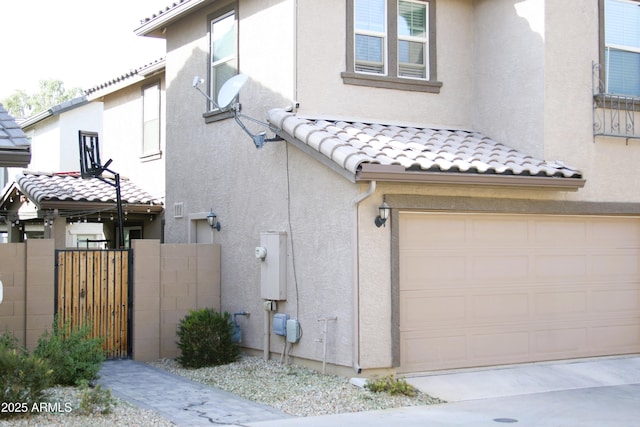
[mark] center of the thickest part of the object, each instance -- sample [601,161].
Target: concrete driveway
[580,393]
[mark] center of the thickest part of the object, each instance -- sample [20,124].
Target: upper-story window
[391,43]
[622,47]
[224,51]
[151,120]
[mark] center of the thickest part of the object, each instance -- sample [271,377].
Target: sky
[83,43]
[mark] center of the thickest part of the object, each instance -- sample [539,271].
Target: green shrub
[72,352]
[205,339]
[23,381]
[9,341]
[391,385]
[96,400]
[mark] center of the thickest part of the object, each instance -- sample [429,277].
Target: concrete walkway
[584,393]
[615,406]
[183,402]
[516,380]
[580,393]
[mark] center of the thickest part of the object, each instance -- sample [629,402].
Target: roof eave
[79,205]
[154,27]
[54,111]
[37,118]
[316,155]
[397,173]
[15,158]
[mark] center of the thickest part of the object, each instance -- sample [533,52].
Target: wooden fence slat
[93,286]
[124,309]
[82,288]
[67,287]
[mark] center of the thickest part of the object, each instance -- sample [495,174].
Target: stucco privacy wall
[13,276]
[26,271]
[169,280]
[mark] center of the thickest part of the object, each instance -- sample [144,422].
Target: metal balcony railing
[613,115]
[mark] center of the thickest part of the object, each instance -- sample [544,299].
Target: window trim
[602,73]
[211,116]
[156,153]
[391,80]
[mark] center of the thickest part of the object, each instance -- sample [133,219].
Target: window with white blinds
[373,36]
[412,39]
[622,47]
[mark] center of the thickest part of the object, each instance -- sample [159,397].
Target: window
[391,43]
[224,57]
[622,47]
[151,120]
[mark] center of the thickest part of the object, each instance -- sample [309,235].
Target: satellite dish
[230,90]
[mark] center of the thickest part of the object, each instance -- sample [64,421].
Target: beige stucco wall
[609,164]
[26,270]
[13,277]
[121,138]
[533,91]
[519,71]
[54,140]
[168,281]
[320,43]
[217,166]
[509,71]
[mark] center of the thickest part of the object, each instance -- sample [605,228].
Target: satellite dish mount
[227,101]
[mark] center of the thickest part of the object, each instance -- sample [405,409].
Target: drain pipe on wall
[356,275]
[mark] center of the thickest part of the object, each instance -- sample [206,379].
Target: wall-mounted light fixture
[212,220]
[384,210]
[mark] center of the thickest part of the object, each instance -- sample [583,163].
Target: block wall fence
[168,281]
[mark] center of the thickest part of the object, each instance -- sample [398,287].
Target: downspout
[356,275]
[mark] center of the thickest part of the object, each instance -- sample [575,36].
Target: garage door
[480,290]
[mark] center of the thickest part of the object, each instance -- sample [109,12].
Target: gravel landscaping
[307,393]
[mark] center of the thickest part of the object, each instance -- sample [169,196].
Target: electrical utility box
[273,265]
[294,332]
[280,324]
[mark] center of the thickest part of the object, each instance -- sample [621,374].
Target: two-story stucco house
[124,117]
[514,226]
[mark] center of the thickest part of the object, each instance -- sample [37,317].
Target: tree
[52,92]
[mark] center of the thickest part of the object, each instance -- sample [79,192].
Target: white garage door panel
[562,287]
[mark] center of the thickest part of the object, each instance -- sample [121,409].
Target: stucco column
[59,232]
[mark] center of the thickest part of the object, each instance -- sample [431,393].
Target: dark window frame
[392,80]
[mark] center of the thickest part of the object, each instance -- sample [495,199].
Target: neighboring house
[514,231]
[15,148]
[126,115]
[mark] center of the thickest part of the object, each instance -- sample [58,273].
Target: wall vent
[178,209]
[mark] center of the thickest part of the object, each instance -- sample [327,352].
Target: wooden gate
[94,286]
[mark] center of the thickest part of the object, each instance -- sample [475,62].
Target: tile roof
[162,11]
[155,25]
[353,145]
[53,111]
[14,145]
[127,77]
[71,187]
